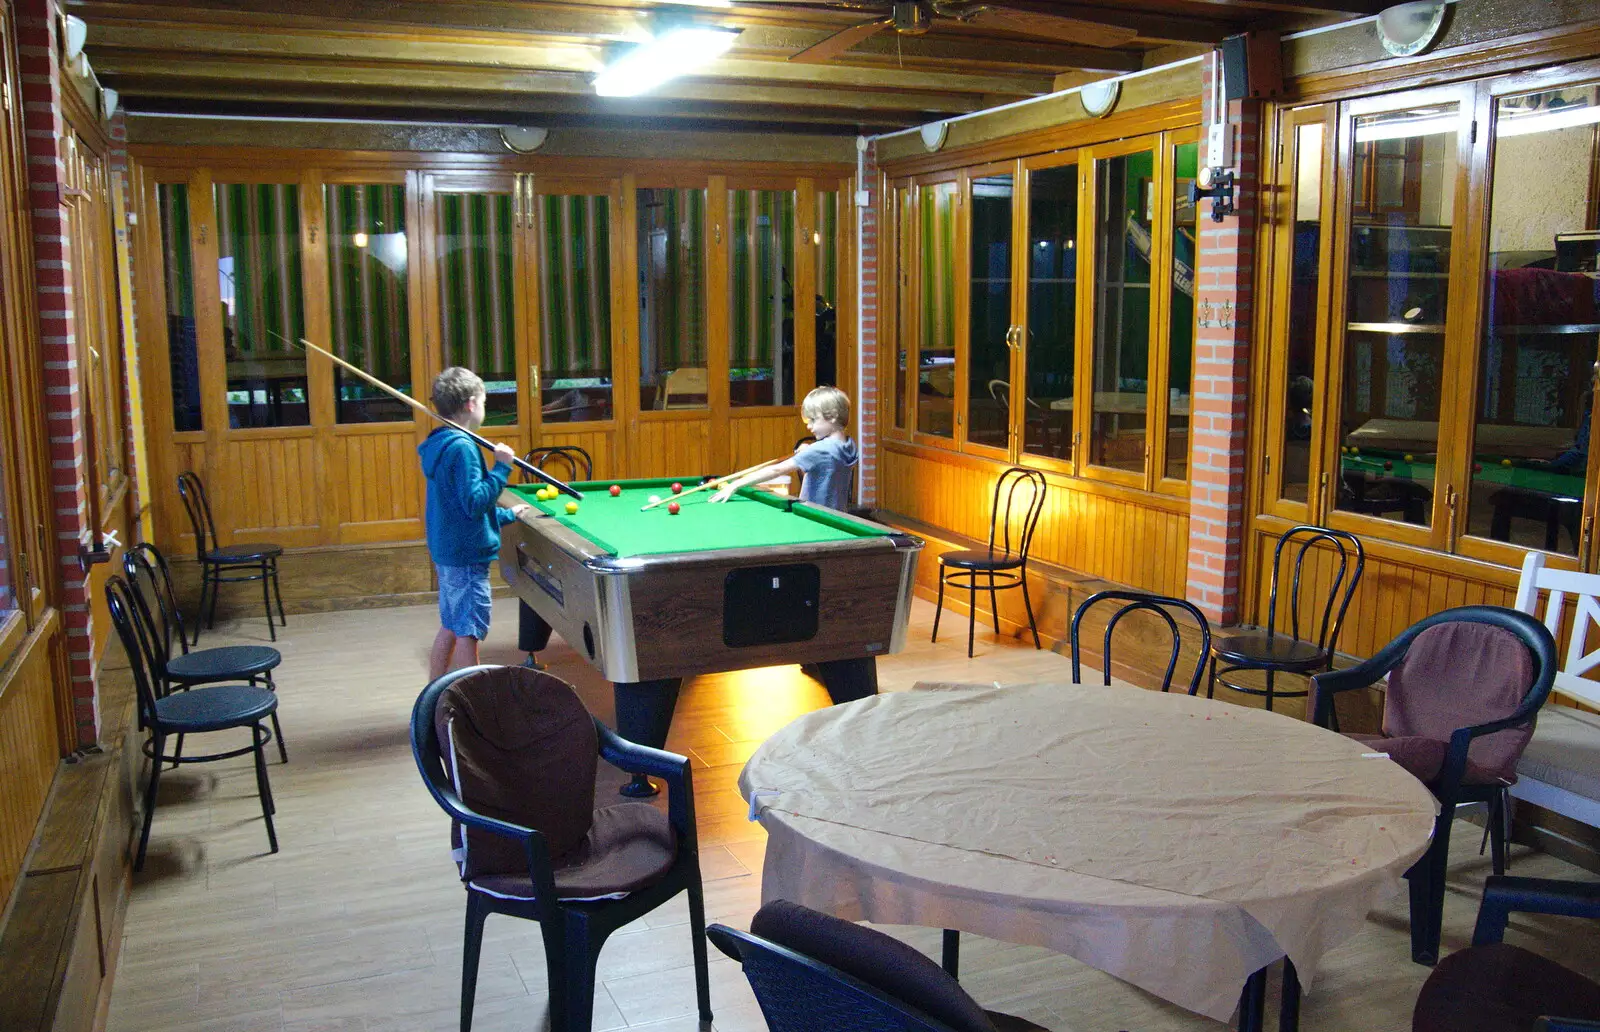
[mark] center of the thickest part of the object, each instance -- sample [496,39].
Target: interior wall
[1535,191]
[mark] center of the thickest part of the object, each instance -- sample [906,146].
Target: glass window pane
[1394,341]
[761,297]
[258,269]
[1052,310]
[1180,330]
[905,227]
[1300,351]
[367,294]
[825,240]
[574,264]
[1123,220]
[936,376]
[1537,357]
[477,299]
[672,277]
[183,352]
[989,313]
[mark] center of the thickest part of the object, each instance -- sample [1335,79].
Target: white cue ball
[654,499]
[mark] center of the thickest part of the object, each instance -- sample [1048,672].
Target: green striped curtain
[367,280]
[477,289]
[178,271]
[672,277]
[574,264]
[938,267]
[827,246]
[258,258]
[762,287]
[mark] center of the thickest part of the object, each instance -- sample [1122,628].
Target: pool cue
[714,482]
[483,442]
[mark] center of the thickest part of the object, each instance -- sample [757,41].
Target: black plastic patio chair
[227,564]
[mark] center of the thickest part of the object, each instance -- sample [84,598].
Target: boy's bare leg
[464,654]
[444,644]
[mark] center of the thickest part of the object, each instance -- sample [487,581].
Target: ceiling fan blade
[1052,26]
[840,41]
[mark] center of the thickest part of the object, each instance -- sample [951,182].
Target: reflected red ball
[674,508]
[615,490]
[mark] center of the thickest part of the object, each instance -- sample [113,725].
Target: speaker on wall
[1252,65]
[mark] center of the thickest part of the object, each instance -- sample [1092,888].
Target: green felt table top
[1490,471]
[751,519]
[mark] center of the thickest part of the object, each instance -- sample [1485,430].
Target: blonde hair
[454,389]
[830,403]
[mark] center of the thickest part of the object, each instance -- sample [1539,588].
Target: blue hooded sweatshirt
[463,520]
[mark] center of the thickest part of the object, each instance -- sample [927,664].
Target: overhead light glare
[1401,129]
[663,59]
[1547,121]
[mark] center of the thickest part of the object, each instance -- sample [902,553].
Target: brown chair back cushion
[885,963]
[519,746]
[1456,675]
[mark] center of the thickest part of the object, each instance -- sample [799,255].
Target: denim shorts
[464,600]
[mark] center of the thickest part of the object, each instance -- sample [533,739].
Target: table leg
[533,633]
[952,952]
[849,679]
[644,713]
[1253,1003]
[1289,1000]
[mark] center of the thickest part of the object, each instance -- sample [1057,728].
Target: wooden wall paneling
[597,442]
[670,447]
[29,749]
[381,486]
[761,434]
[271,486]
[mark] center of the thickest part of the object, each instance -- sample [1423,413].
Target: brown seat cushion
[630,846]
[1456,675]
[1501,988]
[520,747]
[1423,757]
[881,961]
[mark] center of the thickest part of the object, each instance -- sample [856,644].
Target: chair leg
[1211,682]
[972,612]
[1027,604]
[263,786]
[177,751]
[938,607]
[150,799]
[266,602]
[277,590]
[994,606]
[277,732]
[572,979]
[1289,999]
[205,590]
[697,929]
[951,959]
[1271,674]
[471,946]
[216,589]
[1427,878]
[1497,828]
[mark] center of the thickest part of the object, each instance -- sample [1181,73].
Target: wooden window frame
[1030,166]
[963,307]
[913,382]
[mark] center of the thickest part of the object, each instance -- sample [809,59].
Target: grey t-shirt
[826,465]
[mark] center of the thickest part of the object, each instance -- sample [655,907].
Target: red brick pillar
[38,48]
[866,405]
[1224,305]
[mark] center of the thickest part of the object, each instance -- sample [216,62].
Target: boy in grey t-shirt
[826,463]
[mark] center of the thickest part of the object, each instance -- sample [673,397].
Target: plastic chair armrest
[1326,685]
[722,939]
[1565,1025]
[1504,895]
[658,763]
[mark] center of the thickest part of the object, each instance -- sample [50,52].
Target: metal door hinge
[1474,130]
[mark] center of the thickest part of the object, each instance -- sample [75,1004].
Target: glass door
[1048,331]
[992,330]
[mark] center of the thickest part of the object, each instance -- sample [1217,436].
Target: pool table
[651,598]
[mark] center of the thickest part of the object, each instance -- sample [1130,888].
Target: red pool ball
[674,508]
[676,488]
[1477,467]
[615,490]
[1388,465]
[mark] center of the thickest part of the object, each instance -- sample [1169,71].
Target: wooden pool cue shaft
[483,442]
[714,482]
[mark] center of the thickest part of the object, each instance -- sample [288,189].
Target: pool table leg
[644,713]
[849,679]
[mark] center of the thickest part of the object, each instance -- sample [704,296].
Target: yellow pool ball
[1505,462]
[1411,458]
[572,508]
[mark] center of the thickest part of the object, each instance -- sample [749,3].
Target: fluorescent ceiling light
[1402,129]
[1547,121]
[662,59]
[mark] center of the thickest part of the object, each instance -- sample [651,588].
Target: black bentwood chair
[816,973]
[151,578]
[1138,601]
[1494,987]
[1464,688]
[511,755]
[1312,636]
[229,564]
[166,711]
[1018,501]
[579,465]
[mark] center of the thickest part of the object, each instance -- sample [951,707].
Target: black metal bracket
[1220,192]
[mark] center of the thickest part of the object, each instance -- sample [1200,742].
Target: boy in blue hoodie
[462,518]
[826,462]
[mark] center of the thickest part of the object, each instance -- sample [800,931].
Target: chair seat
[223,663]
[1424,757]
[1279,651]
[244,553]
[1501,988]
[979,559]
[214,708]
[1012,1023]
[630,847]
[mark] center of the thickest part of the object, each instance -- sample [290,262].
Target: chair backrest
[1584,589]
[151,577]
[576,459]
[513,744]
[1138,601]
[1468,666]
[136,632]
[1018,502]
[692,383]
[1323,618]
[193,493]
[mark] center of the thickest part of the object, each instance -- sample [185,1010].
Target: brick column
[867,403]
[1224,305]
[38,48]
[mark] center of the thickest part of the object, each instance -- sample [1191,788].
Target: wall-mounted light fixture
[933,135]
[1217,184]
[523,139]
[76,34]
[662,59]
[108,101]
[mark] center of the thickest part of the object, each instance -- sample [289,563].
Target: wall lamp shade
[667,56]
[108,101]
[523,139]
[76,35]
[933,135]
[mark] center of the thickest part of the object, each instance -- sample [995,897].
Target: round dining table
[1178,843]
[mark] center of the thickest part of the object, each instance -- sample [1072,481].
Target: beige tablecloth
[1177,843]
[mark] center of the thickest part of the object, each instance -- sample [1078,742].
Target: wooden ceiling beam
[946,50]
[1351,8]
[1156,27]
